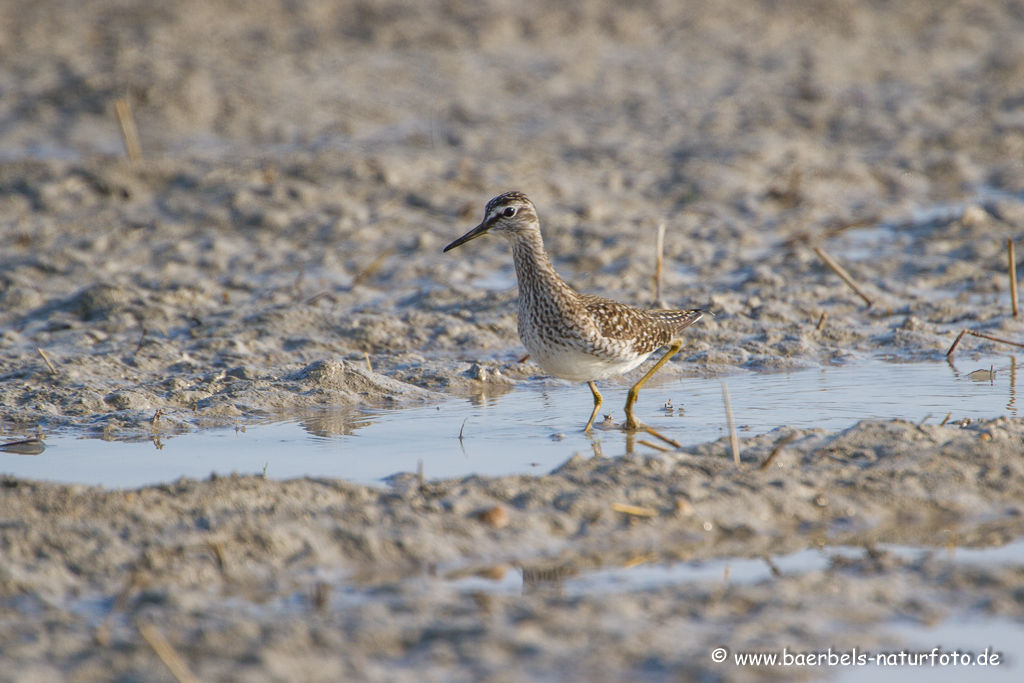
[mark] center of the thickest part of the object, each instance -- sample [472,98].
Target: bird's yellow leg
[633,424]
[597,405]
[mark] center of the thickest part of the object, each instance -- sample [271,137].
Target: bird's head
[510,214]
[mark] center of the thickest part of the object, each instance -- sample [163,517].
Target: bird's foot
[632,424]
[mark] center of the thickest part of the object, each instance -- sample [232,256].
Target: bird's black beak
[471,235]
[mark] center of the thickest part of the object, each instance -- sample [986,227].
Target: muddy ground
[303,165]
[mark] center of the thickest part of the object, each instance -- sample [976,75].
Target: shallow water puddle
[974,632]
[658,574]
[533,428]
[971,634]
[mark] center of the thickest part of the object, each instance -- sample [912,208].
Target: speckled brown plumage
[647,330]
[573,336]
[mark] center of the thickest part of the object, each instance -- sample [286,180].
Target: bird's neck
[537,278]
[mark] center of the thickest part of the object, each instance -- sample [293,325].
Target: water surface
[534,427]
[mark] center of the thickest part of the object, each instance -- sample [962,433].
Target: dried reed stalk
[779,445]
[1013,276]
[46,359]
[167,654]
[634,510]
[733,440]
[655,446]
[664,438]
[129,133]
[368,272]
[659,262]
[841,272]
[981,335]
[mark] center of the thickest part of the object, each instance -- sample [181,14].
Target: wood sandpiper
[573,336]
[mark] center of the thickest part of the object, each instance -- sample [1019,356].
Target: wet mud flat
[255,579]
[278,248]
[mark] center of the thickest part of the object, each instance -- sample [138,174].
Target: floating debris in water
[31,446]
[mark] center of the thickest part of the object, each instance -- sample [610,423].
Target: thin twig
[946,419]
[322,295]
[129,133]
[655,446]
[42,353]
[779,445]
[956,343]
[664,438]
[733,440]
[660,248]
[299,280]
[1013,276]
[167,653]
[995,339]
[637,560]
[634,510]
[368,365]
[141,339]
[369,270]
[841,272]
[821,322]
[981,335]
[217,548]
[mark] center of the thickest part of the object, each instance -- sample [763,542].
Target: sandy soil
[305,162]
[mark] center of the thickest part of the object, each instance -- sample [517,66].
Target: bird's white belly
[566,362]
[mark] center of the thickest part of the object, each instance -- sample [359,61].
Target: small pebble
[496,517]
[683,507]
[973,215]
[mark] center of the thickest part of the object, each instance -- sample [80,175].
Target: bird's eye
[509,212]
